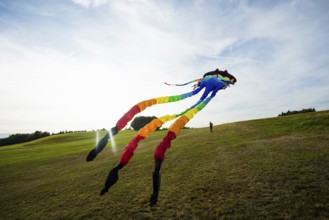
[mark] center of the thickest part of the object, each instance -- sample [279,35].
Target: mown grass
[275,168]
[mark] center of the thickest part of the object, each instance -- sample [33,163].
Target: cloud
[98,58]
[90,3]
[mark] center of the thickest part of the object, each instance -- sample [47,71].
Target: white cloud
[89,62]
[90,3]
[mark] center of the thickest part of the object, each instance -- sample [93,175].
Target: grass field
[275,168]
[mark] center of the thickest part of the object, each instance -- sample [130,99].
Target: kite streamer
[183,84]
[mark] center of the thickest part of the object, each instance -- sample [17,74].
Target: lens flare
[97,137]
[114,148]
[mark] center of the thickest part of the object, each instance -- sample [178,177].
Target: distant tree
[297,112]
[141,121]
[21,138]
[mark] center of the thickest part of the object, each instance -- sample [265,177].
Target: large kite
[212,82]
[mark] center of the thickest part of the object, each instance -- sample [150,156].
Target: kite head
[229,78]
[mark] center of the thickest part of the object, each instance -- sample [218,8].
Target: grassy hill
[275,168]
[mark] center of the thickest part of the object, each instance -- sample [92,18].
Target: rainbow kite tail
[142,134]
[145,131]
[128,116]
[176,127]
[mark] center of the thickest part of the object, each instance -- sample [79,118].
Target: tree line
[141,121]
[297,112]
[21,138]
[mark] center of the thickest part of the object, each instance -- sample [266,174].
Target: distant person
[210,126]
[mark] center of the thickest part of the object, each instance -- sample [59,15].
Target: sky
[81,64]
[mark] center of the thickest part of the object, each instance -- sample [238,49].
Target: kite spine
[183,84]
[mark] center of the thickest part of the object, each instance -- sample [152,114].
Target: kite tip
[91,156]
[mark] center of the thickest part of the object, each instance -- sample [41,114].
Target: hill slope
[260,169]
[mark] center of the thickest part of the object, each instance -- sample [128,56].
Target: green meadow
[273,168]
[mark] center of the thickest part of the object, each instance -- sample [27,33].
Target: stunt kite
[212,82]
